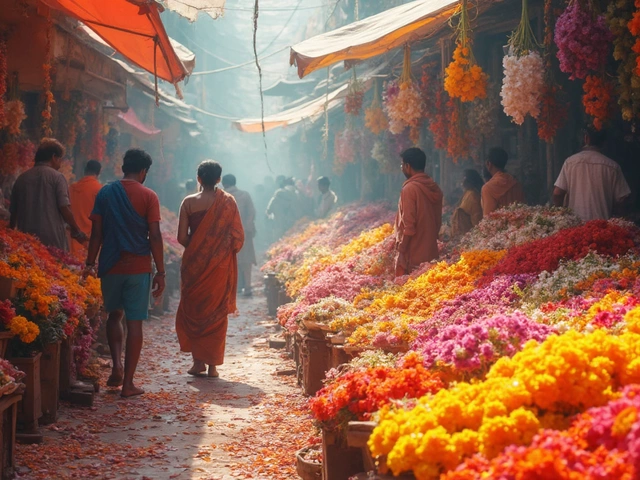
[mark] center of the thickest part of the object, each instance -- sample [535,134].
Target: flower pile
[517,224]
[53,297]
[357,394]
[522,327]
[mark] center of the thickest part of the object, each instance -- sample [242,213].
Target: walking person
[591,183]
[247,255]
[469,212]
[40,202]
[419,216]
[126,232]
[82,195]
[211,231]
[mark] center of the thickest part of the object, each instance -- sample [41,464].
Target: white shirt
[593,183]
[327,201]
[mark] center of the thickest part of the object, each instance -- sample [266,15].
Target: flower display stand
[316,360]
[306,469]
[71,390]
[8,421]
[340,461]
[271,290]
[297,356]
[283,298]
[338,356]
[8,288]
[4,341]
[358,434]
[30,408]
[50,382]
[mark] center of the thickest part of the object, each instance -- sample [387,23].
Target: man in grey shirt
[40,199]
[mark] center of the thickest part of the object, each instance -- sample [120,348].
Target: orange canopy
[133,28]
[374,35]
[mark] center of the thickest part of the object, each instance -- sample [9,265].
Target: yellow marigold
[560,377]
[28,331]
[632,319]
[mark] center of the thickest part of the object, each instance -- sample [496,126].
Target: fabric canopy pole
[133,28]
[374,35]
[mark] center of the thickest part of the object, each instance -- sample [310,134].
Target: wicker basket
[306,469]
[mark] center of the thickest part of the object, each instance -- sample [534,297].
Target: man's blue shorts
[127,292]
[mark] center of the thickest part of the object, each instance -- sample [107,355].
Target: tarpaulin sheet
[374,35]
[133,28]
[307,111]
[191,8]
[186,56]
[132,120]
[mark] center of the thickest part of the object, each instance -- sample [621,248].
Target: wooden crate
[338,356]
[271,289]
[8,420]
[357,436]
[4,342]
[8,288]
[50,382]
[30,408]
[339,460]
[316,356]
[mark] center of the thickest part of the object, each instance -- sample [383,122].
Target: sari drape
[209,276]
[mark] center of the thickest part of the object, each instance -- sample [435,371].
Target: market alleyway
[246,424]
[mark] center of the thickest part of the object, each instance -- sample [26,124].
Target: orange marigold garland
[464,79]
[48,94]
[598,94]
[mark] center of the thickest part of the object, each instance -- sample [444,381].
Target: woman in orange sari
[211,232]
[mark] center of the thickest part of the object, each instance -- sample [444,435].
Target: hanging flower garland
[345,148]
[381,153]
[523,72]
[583,40]
[439,126]
[553,112]
[597,98]
[403,101]
[374,118]
[484,114]
[464,79]
[48,94]
[16,157]
[461,138]
[634,28]
[619,15]
[14,115]
[355,96]
[3,77]
[429,87]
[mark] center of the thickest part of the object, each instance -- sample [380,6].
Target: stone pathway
[246,424]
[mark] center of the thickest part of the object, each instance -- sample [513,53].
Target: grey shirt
[36,199]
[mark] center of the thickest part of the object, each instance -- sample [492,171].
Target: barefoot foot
[213,373]
[115,379]
[131,391]
[199,368]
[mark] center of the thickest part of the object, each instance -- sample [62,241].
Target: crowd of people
[119,224]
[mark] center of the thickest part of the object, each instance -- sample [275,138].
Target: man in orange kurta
[419,215]
[502,189]
[82,196]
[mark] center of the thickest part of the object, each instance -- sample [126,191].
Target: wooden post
[50,382]
[8,420]
[30,408]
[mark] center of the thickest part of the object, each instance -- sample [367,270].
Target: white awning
[191,8]
[374,35]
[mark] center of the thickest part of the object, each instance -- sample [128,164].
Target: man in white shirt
[590,183]
[327,200]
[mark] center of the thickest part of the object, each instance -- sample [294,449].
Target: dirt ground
[246,424]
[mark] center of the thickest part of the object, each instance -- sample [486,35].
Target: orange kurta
[418,223]
[502,190]
[82,196]
[209,276]
[468,214]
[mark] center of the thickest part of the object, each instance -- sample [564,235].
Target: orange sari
[209,276]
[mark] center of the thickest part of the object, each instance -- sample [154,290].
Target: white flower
[522,86]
